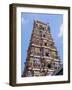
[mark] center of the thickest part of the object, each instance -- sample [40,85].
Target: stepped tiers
[42,56]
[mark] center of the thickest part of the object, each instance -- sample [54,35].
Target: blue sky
[55,21]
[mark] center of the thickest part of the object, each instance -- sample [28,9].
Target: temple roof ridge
[39,21]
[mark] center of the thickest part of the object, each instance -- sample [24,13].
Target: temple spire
[42,55]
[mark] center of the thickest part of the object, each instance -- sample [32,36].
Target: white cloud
[22,19]
[60,34]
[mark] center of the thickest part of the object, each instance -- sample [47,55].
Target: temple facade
[42,56]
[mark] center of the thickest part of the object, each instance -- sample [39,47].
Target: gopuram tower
[42,56]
